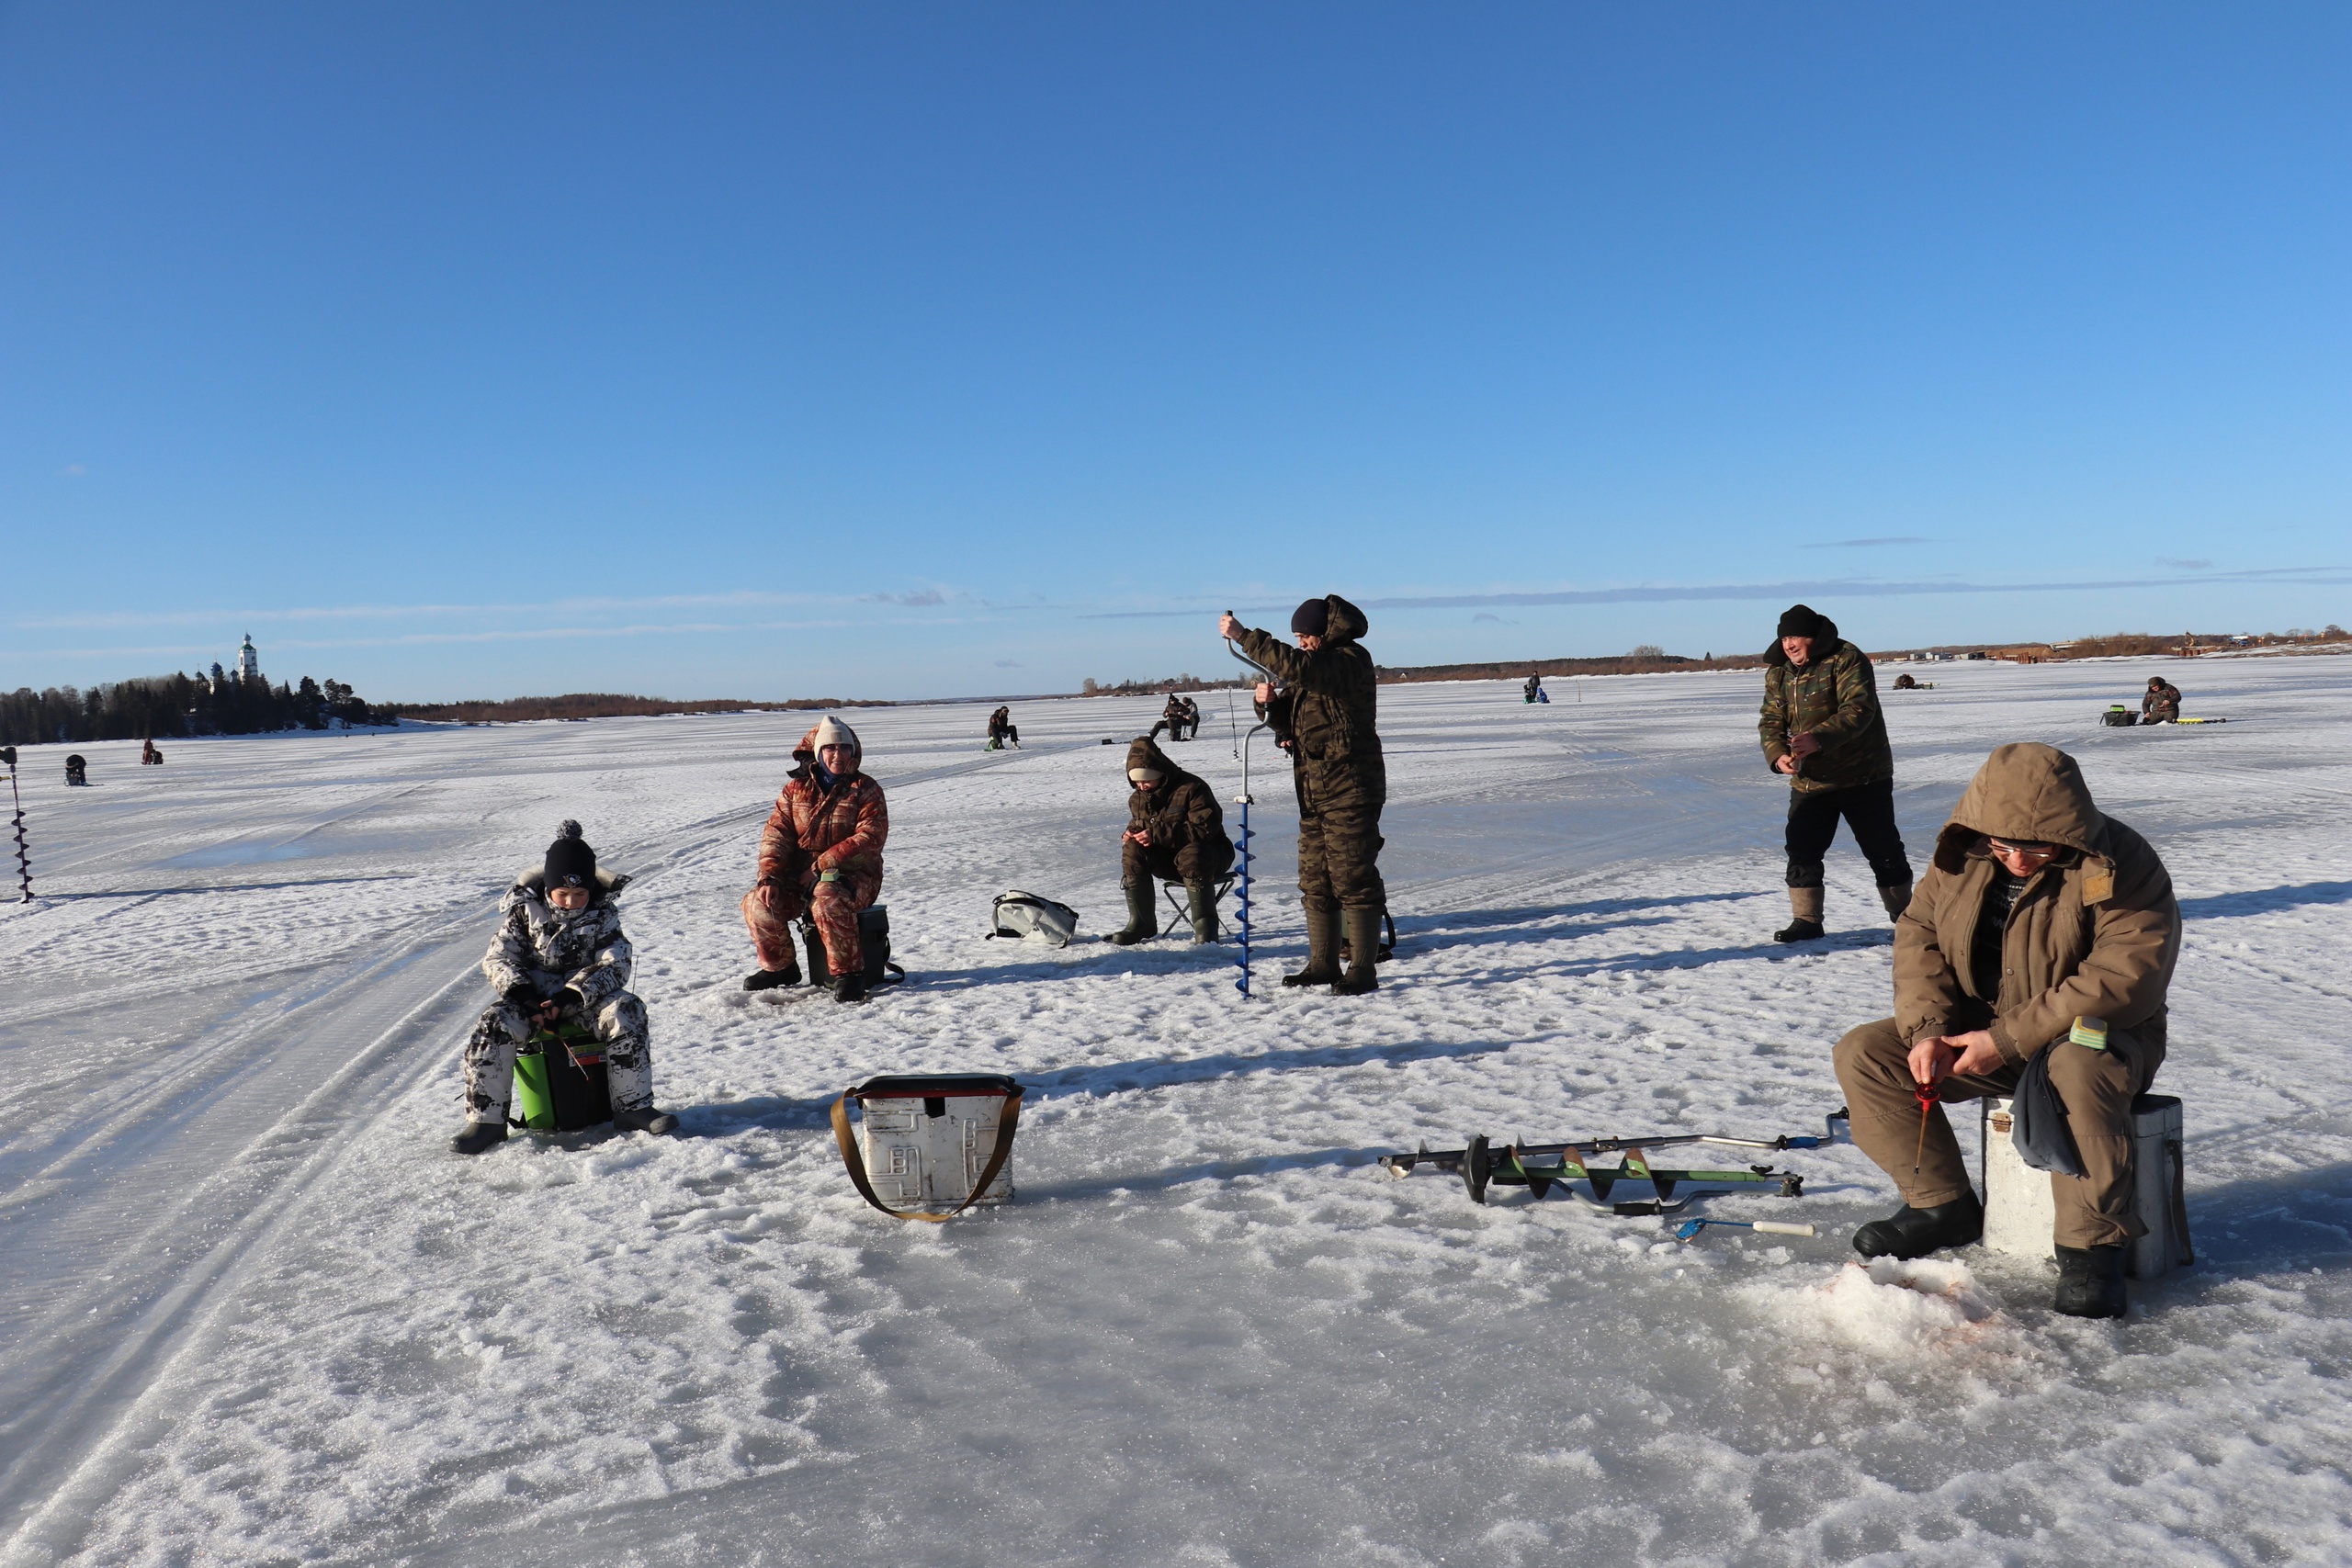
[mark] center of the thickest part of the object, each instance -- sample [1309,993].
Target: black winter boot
[2090,1281]
[1322,942]
[769,979]
[1202,900]
[1364,948]
[1805,905]
[477,1136]
[644,1119]
[1915,1233]
[850,988]
[1143,920]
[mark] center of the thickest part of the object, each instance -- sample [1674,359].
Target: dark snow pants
[618,1025]
[1196,863]
[1869,810]
[2095,1209]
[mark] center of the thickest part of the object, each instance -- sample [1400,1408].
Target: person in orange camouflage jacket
[821,853]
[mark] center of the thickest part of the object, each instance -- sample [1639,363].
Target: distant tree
[1647,650]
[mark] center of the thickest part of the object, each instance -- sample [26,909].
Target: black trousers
[1869,810]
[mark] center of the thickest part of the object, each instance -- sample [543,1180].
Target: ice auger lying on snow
[1540,1166]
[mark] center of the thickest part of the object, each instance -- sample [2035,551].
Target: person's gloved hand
[524,995]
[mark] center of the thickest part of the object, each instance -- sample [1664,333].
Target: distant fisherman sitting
[1175,834]
[2039,913]
[821,855]
[2161,703]
[1001,733]
[559,957]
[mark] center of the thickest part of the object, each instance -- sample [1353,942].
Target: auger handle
[1781,1228]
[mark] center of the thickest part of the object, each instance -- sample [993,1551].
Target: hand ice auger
[1540,1166]
[1244,800]
[23,853]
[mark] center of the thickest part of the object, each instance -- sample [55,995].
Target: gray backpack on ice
[1019,914]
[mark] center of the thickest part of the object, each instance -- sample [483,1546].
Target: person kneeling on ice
[559,957]
[1175,834]
[2037,911]
[821,854]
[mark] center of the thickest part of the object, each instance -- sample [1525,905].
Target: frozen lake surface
[256,1314]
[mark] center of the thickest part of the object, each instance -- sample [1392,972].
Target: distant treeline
[176,704]
[604,705]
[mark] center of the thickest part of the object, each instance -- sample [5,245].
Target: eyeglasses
[2019,850]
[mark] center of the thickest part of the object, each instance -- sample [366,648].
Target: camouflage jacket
[1182,810]
[1331,706]
[547,950]
[817,829]
[1834,697]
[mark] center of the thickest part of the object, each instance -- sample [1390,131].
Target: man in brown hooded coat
[2038,911]
[1329,707]
[1175,834]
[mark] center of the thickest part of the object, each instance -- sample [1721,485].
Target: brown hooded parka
[2094,934]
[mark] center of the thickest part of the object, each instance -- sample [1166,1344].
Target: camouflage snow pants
[620,1024]
[835,906]
[1339,838]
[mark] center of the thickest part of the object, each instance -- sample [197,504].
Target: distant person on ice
[820,853]
[1001,733]
[1175,834]
[1821,726]
[559,957]
[1533,691]
[2036,911]
[1175,718]
[1328,707]
[2161,704]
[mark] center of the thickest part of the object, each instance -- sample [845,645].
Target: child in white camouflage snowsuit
[560,955]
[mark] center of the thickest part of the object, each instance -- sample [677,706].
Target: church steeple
[248,661]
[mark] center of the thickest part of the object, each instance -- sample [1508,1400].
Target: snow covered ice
[258,1314]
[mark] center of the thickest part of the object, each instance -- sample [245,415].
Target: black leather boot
[2090,1281]
[1915,1233]
[769,979]
[850,988]
[644,1119]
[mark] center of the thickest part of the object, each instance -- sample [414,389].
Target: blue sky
[930,350]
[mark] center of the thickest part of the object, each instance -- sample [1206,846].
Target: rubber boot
[850,988]
[1364,948]
[2090,1281]
[1897,896]
[1202,899]
[477,1136]
[1915,1233]
[1143,920]
[1322,942]
[644,1119]
[769,979]
[1804,904]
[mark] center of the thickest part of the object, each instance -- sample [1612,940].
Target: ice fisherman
[2037,911]
[1327,707]
[1180,715]
[1821,726]
[1175,834]
[821,854]
[559,957]
[2161,703]
[1001,731]
[1532,692]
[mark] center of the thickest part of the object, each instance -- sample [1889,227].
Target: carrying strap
[1007,1120]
